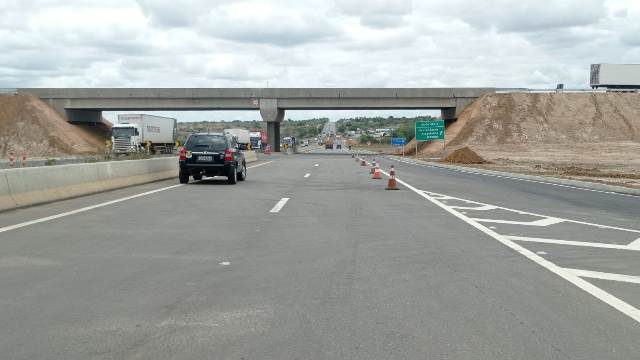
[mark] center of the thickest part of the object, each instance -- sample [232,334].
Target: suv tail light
[228,155]
[183,154]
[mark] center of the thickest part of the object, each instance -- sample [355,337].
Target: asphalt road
[312,259]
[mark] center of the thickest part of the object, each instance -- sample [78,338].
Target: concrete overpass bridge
[87,104]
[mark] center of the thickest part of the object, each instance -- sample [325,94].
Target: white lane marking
[279,205]
[605,276]
[519,179]
[541,253]
[572,243]
[604,296]
[307,175]
[434,195]
[316,165]
[87,208]
[542,222]
[224,263]
[635,245]
[479,208]
[255,166]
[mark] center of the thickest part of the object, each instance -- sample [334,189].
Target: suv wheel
[184,178]
[232,177]
[197,177]
[242,175]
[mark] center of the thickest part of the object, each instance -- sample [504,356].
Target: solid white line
[279,205]
[307,175]
[542,222]
[572,243]
[604,296]
[87,208]
[605,276]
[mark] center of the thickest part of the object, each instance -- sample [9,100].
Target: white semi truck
[615,76]
[136,132]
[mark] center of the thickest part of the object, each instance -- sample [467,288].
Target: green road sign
[430,130]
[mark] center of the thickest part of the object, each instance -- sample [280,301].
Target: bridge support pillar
[273,116]
[451,114]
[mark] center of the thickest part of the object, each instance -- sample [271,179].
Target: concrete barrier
[29,186]
[250,156]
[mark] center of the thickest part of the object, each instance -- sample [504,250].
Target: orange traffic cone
[373,166]
[391,184]
[377,174]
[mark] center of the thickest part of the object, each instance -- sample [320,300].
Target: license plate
[205,158]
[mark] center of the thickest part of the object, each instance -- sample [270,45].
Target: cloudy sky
[312,43]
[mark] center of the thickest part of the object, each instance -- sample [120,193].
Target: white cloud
[312,43]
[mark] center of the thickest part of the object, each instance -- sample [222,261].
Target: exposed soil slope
[29,126]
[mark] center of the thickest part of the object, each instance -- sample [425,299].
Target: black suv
[213,154]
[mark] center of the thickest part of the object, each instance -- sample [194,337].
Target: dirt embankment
[29,126]
[580,135]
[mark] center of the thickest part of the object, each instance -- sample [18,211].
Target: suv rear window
[206,142]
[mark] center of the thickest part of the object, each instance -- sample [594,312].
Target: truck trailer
[615,76]
[136,132]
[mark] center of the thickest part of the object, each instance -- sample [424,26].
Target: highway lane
[343,269]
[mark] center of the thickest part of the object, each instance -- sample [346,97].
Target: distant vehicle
[214,154]
[256,139]
[135,132]
[328,143]
[615,76]
[242,136]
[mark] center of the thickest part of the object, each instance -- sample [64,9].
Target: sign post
[429,130]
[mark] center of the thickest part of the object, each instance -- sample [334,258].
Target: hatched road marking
[573,243]
[605,276]
[571,275]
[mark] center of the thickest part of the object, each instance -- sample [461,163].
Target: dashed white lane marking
[224,263]
[542,222]
[541,253]
[605,276]
[307,175]
[316,165]
[279,205]
[573,243]
[571,277]
[96,206]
